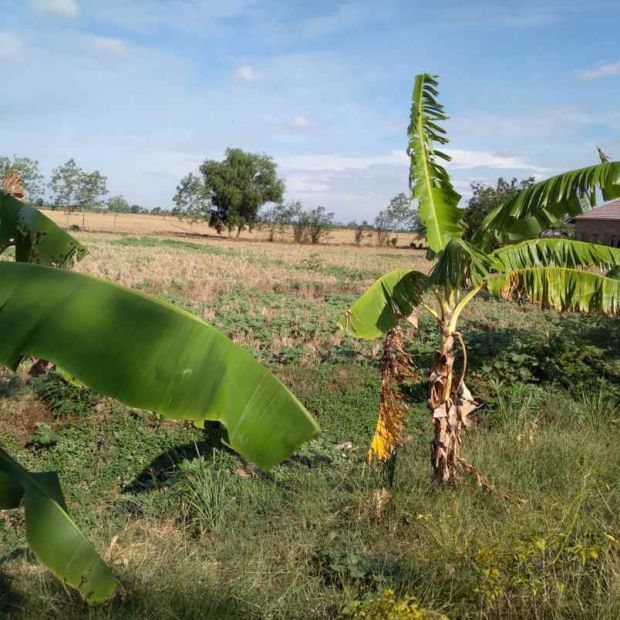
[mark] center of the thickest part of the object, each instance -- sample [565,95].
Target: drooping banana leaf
[148,354]
[389,299]
[430,183]
[459,265]
[529,212]
[565,289]
[51,533]
[554,253]
[36,238]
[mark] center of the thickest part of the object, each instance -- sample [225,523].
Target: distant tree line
[71,188]
[243,191]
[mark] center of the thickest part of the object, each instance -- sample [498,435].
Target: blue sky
[144,90]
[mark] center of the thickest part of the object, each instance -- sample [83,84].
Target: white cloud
[307,184]
[466,160]
[60,8]
[245,73]
[11,47]
[461,159]
[339,163]
[299,122]
[602,70]
[114,47]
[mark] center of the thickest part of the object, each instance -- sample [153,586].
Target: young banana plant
[564,274]
[143,352]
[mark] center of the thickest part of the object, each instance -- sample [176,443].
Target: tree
[238,186]
[28,169]
[486,198]
[400,213]
[76,190]
[277,217]
[553,273]
[92,189]
[65,186]
[197,374]
[360,231]
[319,222]
[117,204]
[191,200]
[417,225]
[382,227]
[299,221]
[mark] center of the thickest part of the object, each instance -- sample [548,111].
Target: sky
[145,90]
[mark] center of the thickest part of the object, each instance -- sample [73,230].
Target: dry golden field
[129,223]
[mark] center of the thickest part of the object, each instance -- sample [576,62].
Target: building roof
[608,211]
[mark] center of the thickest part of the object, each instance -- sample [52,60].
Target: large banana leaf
[36,238]
[560,288]
[148,354]
[529,212]
[430,183]
[554,253]
[51,533]
[459,265]
[388,300]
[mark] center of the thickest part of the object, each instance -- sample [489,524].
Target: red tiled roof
[609,211]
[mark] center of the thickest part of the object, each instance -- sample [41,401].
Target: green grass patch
[175,244]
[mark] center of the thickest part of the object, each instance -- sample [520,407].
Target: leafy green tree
[400,213]
[32,178]
[553,273]
[65,186]
[76,190]
[92,188]
[191,200]
[117,204]
[238,186]
[486,198]
[88,327]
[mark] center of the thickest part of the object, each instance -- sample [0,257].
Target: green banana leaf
[150,355]
[389,299]
[36,238]
[554,253]
[51,533]
[529,212]
[459,265]
[430,183]
[562,288]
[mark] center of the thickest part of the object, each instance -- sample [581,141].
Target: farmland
[195,532]
[131,224]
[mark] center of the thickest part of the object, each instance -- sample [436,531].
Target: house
[600,225]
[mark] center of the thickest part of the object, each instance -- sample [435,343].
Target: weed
[63,398]
[208,492]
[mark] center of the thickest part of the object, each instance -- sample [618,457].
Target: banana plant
[143,352]
[559,273]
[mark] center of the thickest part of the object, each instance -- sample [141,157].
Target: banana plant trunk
[451,404]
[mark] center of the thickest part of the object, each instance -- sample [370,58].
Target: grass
[195,532]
